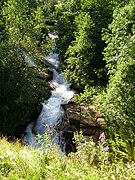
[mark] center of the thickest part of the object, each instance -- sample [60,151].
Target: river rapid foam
[52,110]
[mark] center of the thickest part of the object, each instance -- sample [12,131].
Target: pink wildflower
[106,149]
[102,137]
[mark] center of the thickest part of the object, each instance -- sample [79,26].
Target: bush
[18,162]
[118,102]
[80,44]
[20,92]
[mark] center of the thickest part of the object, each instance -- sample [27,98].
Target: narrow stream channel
[52,110]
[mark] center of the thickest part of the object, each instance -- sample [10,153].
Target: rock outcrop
[79,118]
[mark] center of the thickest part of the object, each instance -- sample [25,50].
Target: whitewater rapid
[52,110]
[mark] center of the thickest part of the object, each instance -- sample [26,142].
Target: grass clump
[89,162]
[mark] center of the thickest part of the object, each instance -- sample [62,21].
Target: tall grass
[18,162]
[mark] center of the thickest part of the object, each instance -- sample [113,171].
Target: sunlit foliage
[118,101]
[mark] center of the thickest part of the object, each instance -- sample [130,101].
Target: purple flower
[106,149]
[102,137]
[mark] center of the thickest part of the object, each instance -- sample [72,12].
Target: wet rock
[73,114]
[101,120]
[66,127]
[66,134]
[89,131]
[45,75]
[85,119]
[74,122]
[76,119]
[52,86]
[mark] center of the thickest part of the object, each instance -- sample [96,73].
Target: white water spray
[52,110]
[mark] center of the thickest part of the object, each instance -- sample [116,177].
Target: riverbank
[21,162]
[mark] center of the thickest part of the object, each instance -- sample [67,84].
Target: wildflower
[102,137]
[106,149]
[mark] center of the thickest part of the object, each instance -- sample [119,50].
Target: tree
[25,25]
[20,93]
[117,36]
[65,26]
[118,102]
[78,63]
[83,48]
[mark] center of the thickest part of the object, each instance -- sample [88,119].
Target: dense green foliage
[18,162]
[26,26]
[118,102]
[97,44]
[80,45]
[20,92]
[97,47]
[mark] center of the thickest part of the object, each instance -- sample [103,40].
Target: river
[52,110]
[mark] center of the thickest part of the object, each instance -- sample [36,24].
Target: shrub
[20,162]
[117,103]
[80,44]
[20,92]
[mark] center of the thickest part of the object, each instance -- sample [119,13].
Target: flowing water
[52,110]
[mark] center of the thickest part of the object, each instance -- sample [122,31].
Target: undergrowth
[90,162]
